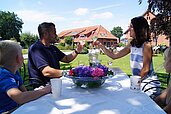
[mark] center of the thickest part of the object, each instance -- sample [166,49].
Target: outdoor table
[113,97]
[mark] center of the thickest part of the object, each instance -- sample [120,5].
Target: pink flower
[97,72]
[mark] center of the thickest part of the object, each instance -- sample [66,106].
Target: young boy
[12,91]
[164,99]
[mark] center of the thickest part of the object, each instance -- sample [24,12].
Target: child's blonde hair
[8,52]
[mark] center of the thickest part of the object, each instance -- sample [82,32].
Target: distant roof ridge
[81,27]
[147,12]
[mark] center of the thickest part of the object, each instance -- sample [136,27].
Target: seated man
[164,100]
[44,57]
[12,91]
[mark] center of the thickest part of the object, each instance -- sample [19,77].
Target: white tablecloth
[113,97]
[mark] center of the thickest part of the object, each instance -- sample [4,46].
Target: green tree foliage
[68,40]
[117,31]
[10,26]
[162,10]
[27,39]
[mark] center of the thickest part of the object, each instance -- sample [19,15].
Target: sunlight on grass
[123,63]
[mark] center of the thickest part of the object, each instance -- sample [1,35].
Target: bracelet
[76,51]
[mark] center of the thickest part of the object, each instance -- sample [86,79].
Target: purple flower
[87,71]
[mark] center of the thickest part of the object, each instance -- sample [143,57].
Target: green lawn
[122,63]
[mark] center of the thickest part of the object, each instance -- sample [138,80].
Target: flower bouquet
[87,76]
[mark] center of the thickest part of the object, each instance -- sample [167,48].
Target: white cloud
[37,16]
[106,7]
[105,15]
[81,11]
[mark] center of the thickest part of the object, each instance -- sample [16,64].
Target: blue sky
[67,14]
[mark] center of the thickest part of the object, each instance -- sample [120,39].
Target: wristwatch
[64,73]
[76,51]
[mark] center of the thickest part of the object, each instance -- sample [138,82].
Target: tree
[162,23]
[27,39]
[68,40]
[10,26]
[117,31]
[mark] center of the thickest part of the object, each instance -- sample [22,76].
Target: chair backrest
[168,79]
[22,71]
[163,82]
[30,83]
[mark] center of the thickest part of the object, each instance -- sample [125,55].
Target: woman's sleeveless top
[136,61]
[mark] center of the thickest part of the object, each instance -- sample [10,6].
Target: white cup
[135,82]
[56,85]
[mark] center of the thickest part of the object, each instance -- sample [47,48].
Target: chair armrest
[149,83]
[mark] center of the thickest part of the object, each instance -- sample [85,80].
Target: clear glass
[82,42]
[110,63]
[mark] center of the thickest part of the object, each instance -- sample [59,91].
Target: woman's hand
[98,44]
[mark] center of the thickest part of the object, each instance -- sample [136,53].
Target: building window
[82,36]
[108,44]
[102,34]
[74,33]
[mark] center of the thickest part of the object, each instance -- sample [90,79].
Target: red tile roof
[88,32]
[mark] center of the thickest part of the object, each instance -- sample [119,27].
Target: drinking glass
[110,63]
[94,39]
[82,42]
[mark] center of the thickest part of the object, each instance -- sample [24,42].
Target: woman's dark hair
[45,26]
[141,29]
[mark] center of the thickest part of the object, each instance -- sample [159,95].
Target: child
[164,99]
[12,91]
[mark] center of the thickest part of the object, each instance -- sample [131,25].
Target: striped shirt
[136,61]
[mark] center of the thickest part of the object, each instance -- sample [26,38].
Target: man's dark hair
[45,26]
[141,29]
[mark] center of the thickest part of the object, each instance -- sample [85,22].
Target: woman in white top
[165,98]
[140,52]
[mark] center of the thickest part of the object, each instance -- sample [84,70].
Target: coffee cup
[135,82]
[56,85]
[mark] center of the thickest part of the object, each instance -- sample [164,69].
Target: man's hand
[79,47]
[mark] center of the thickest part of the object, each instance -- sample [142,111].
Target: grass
[123,63]
[24,51]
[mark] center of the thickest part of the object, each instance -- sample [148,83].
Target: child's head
[167,58]
[10,54]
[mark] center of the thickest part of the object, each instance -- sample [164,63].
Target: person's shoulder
[147,45]
[54,47]
[36,45]
[4,73]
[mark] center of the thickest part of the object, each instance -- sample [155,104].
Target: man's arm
[51,72]
[70,57]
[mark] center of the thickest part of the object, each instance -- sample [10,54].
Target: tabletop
[113,97]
